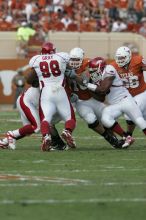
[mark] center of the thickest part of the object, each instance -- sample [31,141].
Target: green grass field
[94,182]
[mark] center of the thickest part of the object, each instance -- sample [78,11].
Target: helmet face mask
[48,48]
[76,58]
[96,67]
[75,63]
[95,75]
[123,56]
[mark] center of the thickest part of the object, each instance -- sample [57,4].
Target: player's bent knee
[93,125]
[107,121]
[140,122]
[90,118]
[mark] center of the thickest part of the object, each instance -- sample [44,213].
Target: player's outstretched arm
[32,78]
[104,86]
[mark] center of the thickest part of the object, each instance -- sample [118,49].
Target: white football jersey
[117,91]
[50,68]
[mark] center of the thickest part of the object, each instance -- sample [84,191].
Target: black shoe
[58,145]
[118,144]
[113,140]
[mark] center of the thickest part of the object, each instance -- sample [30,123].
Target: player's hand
[74,98]
[85,82]
[70,73]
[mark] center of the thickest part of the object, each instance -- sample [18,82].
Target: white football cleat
[129,140]
[4,143]
[46,145]
[11,140]
[67,137]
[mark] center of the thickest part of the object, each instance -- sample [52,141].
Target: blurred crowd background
[73,15]
[33,19]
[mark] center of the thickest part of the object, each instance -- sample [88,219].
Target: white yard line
[50,179]
[71,201]
[111,169]
[39,184]
[11,120]
[124,184]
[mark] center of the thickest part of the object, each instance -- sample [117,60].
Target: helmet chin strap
[126,66]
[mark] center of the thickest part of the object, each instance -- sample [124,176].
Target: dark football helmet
[48,48]
[96,67]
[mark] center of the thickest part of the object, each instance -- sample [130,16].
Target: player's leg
[48,109]
[66,111]
[132,110]
[109,116]
[57,142]
[141,102]
[85,111]
[31,123]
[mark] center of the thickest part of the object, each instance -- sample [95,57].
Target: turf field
[94,182]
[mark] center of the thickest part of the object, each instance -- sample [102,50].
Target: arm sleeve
[65,56]
[32,61]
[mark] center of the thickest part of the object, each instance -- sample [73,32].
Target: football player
[50,68]
[88,107]
[119,99]
[131,70]
[28,107]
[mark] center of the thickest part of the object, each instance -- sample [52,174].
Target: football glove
[70,73]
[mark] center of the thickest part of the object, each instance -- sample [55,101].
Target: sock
[117,129]
[110,138]
[45,128]
[70,125]
[26,130]
[128,133]
[144,131]
[16,133]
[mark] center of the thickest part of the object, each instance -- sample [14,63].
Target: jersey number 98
[49,69]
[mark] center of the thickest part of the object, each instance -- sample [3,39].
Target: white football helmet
[123,56]
[76,57]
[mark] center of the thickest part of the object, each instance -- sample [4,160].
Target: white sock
[15,133]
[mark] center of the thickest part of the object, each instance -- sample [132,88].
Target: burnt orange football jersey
[81,91]
[132,77]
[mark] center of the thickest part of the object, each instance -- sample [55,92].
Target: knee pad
[93,125]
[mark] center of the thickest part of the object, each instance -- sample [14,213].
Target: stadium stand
[72,16]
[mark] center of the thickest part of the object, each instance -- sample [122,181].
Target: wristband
[91,87]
